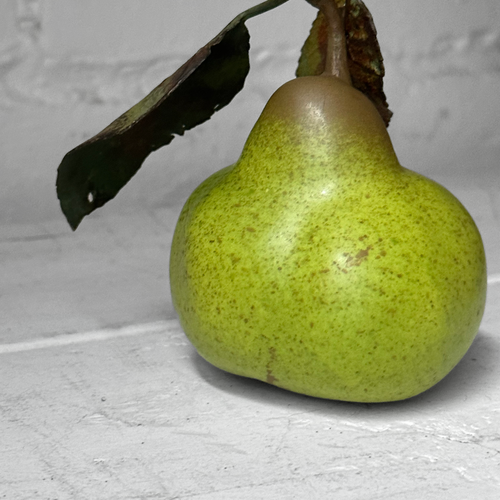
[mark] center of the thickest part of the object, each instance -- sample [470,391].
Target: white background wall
[69,67]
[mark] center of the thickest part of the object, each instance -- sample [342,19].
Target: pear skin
[319,264]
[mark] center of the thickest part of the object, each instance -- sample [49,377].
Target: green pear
[319,264]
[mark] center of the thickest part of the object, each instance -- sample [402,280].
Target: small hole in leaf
[90,197]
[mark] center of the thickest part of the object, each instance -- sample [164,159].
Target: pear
[319,264]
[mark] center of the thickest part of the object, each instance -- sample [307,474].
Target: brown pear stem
[336,57]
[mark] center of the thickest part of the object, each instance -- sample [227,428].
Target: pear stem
[336,57]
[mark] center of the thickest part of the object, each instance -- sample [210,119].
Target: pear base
[370,308]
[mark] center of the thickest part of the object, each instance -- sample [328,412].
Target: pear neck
[326,106]
[318,123]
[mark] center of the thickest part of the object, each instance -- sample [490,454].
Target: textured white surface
[102,396]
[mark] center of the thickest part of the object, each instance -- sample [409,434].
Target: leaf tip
[74,205]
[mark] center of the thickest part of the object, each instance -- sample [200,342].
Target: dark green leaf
[92,174]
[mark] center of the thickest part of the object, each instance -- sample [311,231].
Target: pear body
[319,264]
